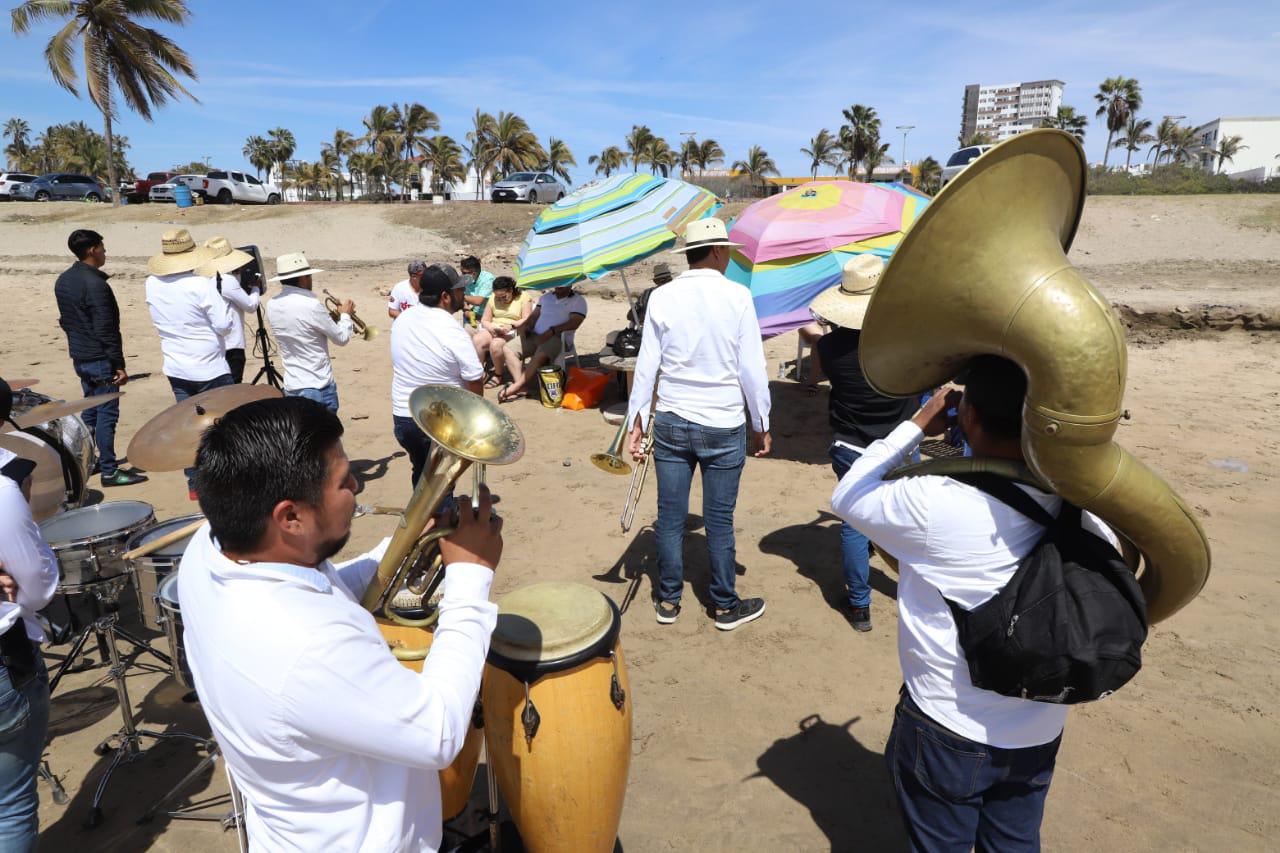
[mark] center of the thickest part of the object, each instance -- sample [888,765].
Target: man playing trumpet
[303,330]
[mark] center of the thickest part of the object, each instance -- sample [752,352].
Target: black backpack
[1070,624]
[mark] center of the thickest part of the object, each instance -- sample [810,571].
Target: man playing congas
[335,745]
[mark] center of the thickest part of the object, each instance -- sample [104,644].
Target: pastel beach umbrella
[795,244]
[596,198]
[609,241]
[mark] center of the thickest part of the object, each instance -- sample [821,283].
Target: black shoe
[741,613]
[122,478]
[859,618]
[667,611]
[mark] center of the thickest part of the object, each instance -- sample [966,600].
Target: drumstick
[167,539]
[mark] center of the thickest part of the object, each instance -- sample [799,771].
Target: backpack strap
[1008,493]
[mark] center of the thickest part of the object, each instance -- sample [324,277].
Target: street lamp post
[905,128]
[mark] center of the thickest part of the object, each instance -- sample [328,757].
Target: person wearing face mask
[479,289]
[223,269]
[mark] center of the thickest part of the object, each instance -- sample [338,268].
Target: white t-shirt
[428,347]
[402,296]
[556,312]
[192,319]
[951,540]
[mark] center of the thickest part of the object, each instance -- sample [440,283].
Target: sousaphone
[985,271]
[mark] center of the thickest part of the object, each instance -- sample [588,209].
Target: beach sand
[769,737]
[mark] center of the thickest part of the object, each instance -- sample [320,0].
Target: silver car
[532,187]
[60,185]
[960,161]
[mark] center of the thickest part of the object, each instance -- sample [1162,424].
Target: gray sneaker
[746,610]
[666,611]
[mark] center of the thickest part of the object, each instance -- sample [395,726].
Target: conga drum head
[548,627]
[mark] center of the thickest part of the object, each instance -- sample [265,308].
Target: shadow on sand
[814,547]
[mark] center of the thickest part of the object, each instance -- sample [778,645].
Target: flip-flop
[494,382]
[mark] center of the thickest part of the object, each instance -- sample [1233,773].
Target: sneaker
[666,611]
[859,618]
[743,612]
[123,478]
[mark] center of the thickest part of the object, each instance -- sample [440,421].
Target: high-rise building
[1008,109]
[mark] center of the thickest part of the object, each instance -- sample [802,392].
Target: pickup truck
[225,187]
[141,191]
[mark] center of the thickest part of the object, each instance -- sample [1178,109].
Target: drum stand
[232,819]
[106,625]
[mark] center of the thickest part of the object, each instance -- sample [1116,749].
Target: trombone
[364,330]
[638,476]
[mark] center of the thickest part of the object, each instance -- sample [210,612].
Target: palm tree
[17,131]
[415,120]
[877,154]
[479,146]
[758,164]
[930,175]
[1228,148]
[514,146]
[1133,137]
[608,161]
[444,157]
[637,142]
[660,157]
[358,165]
[1184,145]
[257,151]
[1118,98]
[980,137]
[709,154]
[1069,120]
[688,156]
[281,145]
[332,154]
[862,124]
[1164,137]
[822,151]
[559,158]
[138,61]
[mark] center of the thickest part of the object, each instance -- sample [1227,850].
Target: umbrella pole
[631,302]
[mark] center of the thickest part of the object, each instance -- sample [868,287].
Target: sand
[770,737]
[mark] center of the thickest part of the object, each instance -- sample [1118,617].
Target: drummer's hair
[996,388]
[257,455]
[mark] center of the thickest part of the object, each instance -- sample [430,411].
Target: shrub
[1173,180]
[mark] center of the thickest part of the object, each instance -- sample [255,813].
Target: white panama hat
[845,305]
[292,265]
[706,232]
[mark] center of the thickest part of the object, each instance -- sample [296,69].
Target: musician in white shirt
[303,330]
[224,270]
[405,293]
[334,744]
[701,346]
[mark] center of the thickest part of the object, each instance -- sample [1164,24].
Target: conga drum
[457,779]
[557,710]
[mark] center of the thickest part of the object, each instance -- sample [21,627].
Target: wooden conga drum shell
[457,779]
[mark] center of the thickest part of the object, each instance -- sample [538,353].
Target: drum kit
[53,435]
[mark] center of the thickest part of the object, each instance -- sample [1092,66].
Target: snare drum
[148,571]
[70,438]
[89,541]
[557,710]
[171,617]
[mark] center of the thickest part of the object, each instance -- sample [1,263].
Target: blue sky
[766,73]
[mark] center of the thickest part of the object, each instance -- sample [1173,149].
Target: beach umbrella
[610,241]
[795,244]
[596,198]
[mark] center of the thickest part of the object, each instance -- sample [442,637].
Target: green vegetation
[1173,180]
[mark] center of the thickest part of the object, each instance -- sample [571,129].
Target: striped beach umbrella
[612,240]
[795,244]
[595,199]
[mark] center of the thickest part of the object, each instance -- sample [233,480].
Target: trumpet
[637,478]
[363,329]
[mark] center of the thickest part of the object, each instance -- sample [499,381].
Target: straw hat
[846,304]
[225,258]
[706,232]
[178,253]
[292,265]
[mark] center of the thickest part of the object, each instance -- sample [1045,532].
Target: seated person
[810,333]
[505,320]
[557,312]
[479,287]
[661,275]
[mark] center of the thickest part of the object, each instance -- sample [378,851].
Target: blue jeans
[855,556]
[24,724]
[326,396]
[184,388]
[414,441]
[679,447]
[95,378]
[956,794]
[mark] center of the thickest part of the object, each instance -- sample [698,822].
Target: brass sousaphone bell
[985,270]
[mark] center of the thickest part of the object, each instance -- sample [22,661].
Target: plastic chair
[567,351]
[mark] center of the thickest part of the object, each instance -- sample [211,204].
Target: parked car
[225,187]
[960,160]
[532,187]
[164,192]
[141,190]
[9,180]
[61,185]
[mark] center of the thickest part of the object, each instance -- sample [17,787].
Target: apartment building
[1259,155]
[1008,109]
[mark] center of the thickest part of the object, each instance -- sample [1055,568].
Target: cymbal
[168,442]
[46,412]
[48,488]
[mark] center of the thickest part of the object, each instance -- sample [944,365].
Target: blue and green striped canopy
[595,200]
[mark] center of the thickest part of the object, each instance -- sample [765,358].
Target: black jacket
[89,315]
[855,409]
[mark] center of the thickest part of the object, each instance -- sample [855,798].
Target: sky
[744,73]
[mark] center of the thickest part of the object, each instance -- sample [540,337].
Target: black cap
[435,282]
[448,270]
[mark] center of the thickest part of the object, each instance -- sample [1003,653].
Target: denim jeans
[95,378]
[184,388]
[326,396]
[855,555]
[235,361]
[679,447]
[24,723]
[956,794]
[414,441]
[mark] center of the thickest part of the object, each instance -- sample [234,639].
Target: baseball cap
[436,282]
[417,267]
[455,280]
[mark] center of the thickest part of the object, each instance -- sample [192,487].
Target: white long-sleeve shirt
[25,556]
[702,342]
[192,319]
[240,301]
[335,745]
[303,329]
[951,540]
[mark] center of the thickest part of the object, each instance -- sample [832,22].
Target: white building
[1257,159]
[1007,109]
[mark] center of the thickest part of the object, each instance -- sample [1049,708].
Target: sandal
[495,381]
